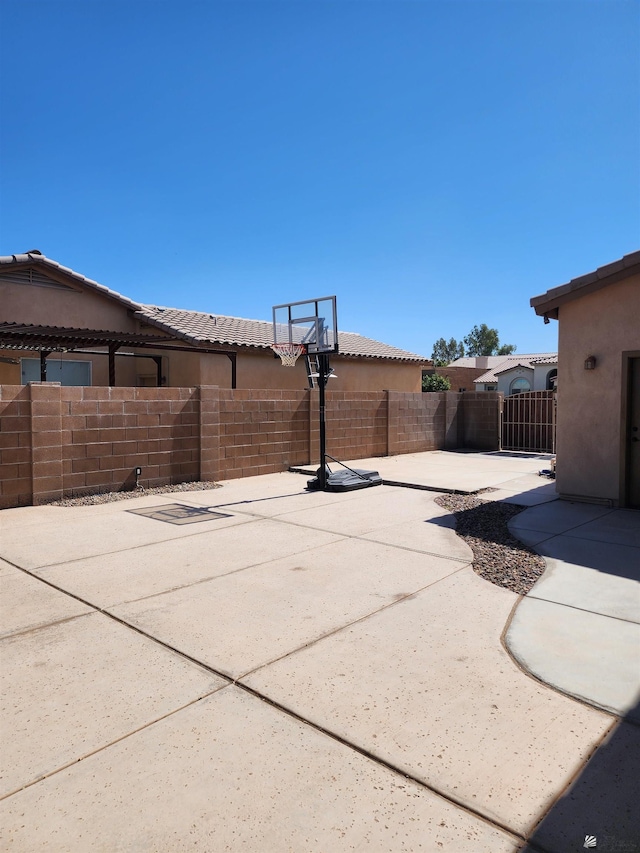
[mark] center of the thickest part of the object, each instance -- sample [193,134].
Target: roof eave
[29,259]
[548,304]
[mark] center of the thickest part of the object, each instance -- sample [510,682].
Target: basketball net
[288,352]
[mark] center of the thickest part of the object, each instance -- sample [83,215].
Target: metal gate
[529,422]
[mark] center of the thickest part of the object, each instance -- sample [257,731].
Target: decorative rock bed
[108,497]
[497,555]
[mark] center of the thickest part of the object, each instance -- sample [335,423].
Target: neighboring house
[516,374]
[86,334]
[598,420]
[507,374]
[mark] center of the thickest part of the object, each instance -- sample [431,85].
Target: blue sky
[434,164]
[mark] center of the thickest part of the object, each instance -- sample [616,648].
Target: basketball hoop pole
[323,371]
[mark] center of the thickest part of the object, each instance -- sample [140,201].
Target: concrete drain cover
[179,513]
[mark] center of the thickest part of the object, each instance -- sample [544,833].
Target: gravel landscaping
[497,555]
[108,497]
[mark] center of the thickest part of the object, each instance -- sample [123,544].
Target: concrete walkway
[288,671]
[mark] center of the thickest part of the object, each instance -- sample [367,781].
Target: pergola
[53,339]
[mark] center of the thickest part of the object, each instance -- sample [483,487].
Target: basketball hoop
[288,352]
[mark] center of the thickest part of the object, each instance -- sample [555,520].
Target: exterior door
[633,435]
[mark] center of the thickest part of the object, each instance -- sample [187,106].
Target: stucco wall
[505,379]
[603,324]
[67,304]
[81,309]
[461,378]
[261,369]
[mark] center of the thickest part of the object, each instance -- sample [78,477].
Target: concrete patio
[306,671]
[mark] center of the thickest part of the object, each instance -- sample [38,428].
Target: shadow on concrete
[610,558]
[602,802]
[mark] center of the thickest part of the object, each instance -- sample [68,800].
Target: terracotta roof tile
[505,364]
[37,259]
[203,327]
[548,303]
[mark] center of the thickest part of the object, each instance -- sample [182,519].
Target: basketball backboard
[312,322]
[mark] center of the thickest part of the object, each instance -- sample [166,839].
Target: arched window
[518,385]
[551,379]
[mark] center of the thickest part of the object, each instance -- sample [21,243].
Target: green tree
[444,352]
[435,382]
[482,340]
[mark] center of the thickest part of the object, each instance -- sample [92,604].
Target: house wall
[66,303]
[80,308]
[461,378]
[505,379]
[57,441]
[590,402]
[540,373]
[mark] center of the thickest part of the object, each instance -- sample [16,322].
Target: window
[519,385]
[552,375]
[58,370]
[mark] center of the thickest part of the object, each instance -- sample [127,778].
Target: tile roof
[36,258]
[204,327]
[549,302]
[199,327]
[505,364]
[545,359]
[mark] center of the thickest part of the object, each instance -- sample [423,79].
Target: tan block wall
[15,446]
[262,432]
[356,424]
[59,441]
[480,426]
[604,324]
[416,422]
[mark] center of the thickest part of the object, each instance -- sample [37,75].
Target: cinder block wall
[416,422]
[480,427]
[262,431]
[107,432]
[356,424]
[59,441]
[15,445]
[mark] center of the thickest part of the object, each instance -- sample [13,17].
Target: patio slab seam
[111,743]
[346,626]
[581,609]
[32,629]
[278,706]
[123,550]
[538,679]
[383,762]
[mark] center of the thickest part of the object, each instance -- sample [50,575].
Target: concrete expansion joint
[581,609]
[349,625]
[113,742]
[371,756]
[523,669]
[262,697]
[563,792]
[35,628]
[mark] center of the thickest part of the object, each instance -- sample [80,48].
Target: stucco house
[60,325]
[598,419]
[507,374]
[519,373]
